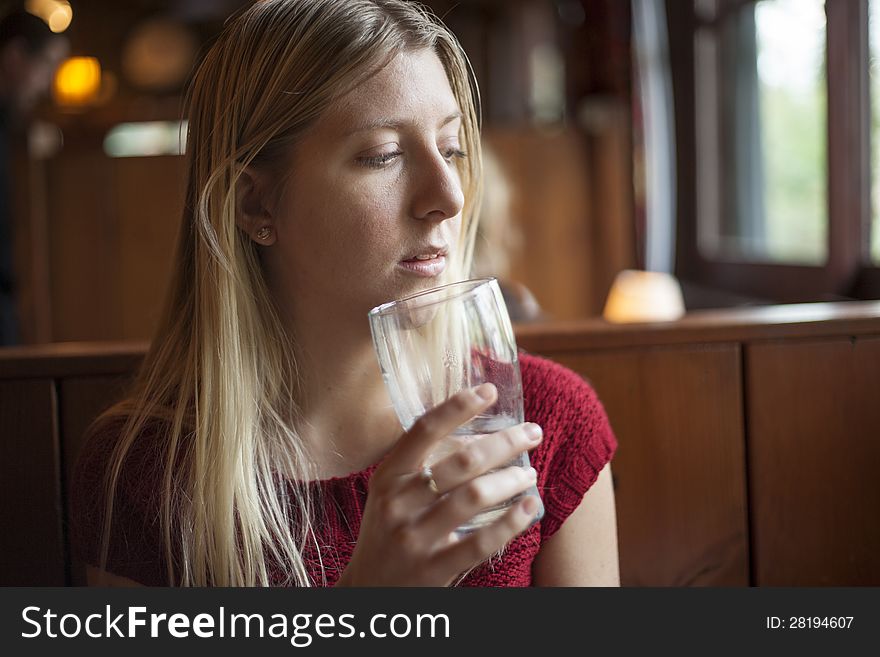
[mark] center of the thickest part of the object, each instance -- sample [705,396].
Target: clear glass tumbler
[434,343]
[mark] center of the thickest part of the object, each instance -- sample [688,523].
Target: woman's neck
[348,422]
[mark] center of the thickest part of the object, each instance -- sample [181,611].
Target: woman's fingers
[490,452]
[469,499]
[408,528]
[416,444]
[474,548]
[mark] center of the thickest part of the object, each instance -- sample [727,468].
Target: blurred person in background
[29,54]
[499,240]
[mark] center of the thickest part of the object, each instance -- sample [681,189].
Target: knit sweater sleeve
[578,439]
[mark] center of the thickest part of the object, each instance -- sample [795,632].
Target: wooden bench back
[749,443]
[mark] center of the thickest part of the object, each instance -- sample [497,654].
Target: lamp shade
[644,296]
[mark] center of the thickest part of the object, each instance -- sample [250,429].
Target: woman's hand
[407,535]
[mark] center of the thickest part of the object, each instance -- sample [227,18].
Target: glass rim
[470,285]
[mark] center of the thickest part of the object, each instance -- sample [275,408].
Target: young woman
[331,144]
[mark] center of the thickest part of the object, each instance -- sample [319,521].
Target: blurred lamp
[57,14]
[644,296]
[77,82]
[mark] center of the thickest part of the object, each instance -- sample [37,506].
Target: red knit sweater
[578,442]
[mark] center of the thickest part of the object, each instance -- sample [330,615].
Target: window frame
[848,272]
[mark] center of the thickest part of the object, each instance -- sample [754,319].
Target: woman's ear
[253,206]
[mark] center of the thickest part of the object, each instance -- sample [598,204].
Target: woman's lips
[428,268]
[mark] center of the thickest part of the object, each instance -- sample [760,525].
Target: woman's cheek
[378,214]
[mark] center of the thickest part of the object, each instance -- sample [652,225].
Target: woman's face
[373,183]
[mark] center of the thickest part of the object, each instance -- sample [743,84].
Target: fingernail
[534,432]
[532,474]
[486,391]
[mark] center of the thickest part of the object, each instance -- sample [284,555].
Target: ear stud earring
[264,233]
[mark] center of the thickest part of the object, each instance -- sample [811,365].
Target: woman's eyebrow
[391,123]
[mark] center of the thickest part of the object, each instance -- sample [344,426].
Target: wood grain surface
[814,458]
[680,467]
[31,541]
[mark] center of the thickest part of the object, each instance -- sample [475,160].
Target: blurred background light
[77,82]
[57,14]
[159,55]
[644,296]
[44,140]
[146,139]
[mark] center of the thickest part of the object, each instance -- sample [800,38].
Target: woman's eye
[379,161]
[451,153]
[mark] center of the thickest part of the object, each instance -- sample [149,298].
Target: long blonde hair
[220,377]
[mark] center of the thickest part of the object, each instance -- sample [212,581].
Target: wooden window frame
[848,272]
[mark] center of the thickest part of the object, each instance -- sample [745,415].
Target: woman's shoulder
[553,390]
[563,402]
[104,436]
[134,530]
[578,439]
[138,466]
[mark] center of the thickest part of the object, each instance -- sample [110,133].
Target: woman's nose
[438,194]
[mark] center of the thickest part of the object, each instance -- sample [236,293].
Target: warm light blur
[60,18]
[644,296]
[56,13]
[77,81]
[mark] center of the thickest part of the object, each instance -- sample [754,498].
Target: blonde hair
[221,374]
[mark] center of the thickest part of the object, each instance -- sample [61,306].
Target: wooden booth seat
[749,443]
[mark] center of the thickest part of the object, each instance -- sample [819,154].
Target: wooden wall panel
[31,540]
[149,216]
[82,400]
[680,468]
[83,247]
[612,231]
[814,459]
[112,231]
[548,178]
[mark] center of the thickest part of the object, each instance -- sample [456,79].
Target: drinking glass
[434,343]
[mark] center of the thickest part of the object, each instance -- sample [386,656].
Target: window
[764,142]
[778,126]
